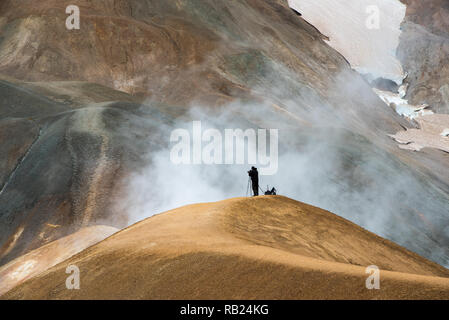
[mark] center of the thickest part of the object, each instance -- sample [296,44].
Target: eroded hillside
[262,248]
[72,138]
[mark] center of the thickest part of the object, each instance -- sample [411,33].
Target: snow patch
[432,133]
[347,24]
[401,106]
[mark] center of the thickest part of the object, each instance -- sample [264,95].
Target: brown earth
[269,247]
[149,48]
[146,47]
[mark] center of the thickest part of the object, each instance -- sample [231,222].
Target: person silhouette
[254,175]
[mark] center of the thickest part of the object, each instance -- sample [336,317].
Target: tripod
[247,186]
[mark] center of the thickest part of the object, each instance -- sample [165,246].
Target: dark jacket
[254,175]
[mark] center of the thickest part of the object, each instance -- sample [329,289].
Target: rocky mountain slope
[424,52]
[416,32]
[83,110]
[62,164]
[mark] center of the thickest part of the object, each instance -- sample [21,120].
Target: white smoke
[328,157]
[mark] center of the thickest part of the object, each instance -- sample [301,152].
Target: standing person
[254,175]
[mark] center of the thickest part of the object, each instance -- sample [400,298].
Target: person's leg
[255,189]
